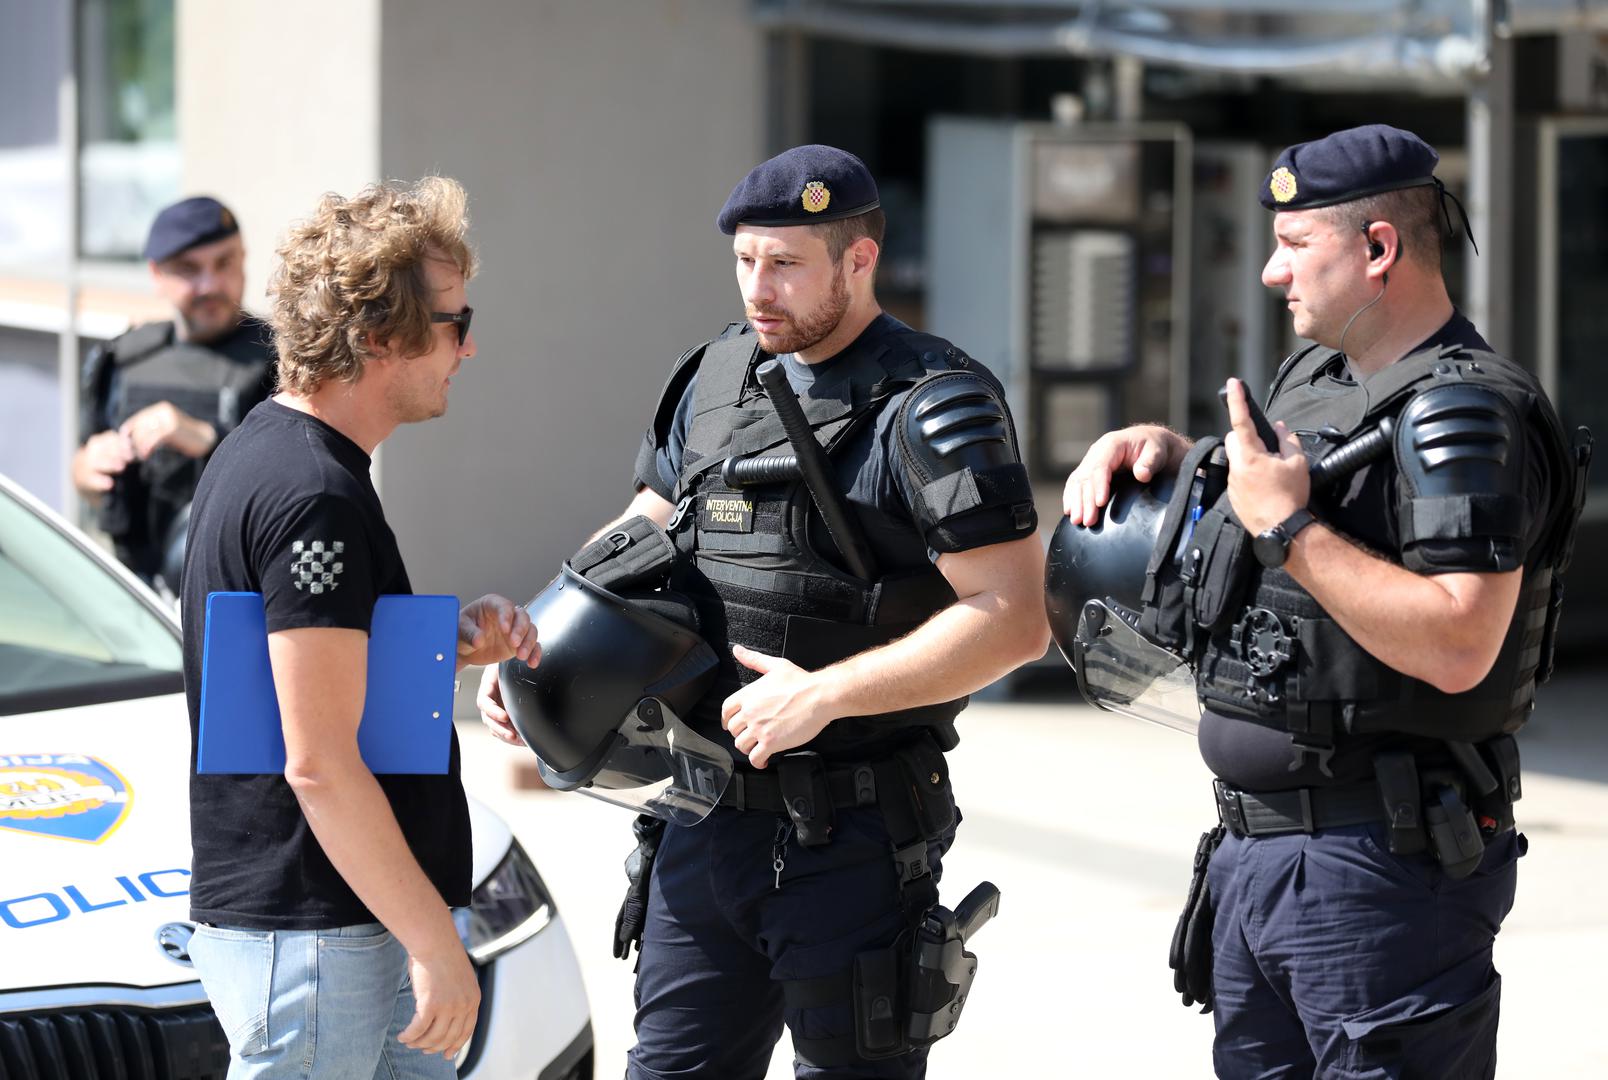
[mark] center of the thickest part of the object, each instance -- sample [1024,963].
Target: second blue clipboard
[407,709]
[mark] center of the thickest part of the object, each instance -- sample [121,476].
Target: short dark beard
[813,328]
[217,332]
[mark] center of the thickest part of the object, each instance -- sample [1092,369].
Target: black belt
[1303,810]
[850,785]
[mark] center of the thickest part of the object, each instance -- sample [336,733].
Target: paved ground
[1072,976]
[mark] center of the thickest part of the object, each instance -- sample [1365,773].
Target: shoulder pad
[646,469]
[1454,429]
[675,387]
[1460,448]
[140,342]
[967,482]
[97,368]
[955,419]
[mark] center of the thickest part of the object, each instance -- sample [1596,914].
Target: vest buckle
[678,514]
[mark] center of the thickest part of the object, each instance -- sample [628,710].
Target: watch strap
[1293,524]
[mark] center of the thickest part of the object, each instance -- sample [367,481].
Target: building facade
[1070,190]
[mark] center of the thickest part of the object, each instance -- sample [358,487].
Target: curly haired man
[323,895]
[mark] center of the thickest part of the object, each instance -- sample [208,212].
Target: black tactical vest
[218,382]
[1277,658]
[760,566]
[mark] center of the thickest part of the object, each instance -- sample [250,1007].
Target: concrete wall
[278,103]
[597,139]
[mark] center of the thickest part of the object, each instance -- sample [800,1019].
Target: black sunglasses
[461,318]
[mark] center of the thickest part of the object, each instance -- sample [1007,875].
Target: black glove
[638,872]
[1191,954]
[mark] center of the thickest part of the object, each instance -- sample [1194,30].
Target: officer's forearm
[647,503]
[1443,629]
[318,676]
[959,650]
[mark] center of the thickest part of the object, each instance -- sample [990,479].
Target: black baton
[1347,458]
[813,466]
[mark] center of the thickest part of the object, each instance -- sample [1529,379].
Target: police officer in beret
[157,400]
[1364,661]
[838,689]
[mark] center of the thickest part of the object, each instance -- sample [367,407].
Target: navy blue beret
[801,186]
[198,220]
[1347,165]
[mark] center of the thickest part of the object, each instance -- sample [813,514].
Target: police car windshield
[71,632]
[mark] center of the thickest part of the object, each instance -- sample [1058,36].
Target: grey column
[1490,193]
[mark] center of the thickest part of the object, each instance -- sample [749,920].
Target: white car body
[95,865]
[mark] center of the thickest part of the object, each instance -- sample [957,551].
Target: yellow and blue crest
[67,796]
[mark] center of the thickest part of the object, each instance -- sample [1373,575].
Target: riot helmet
[621,662]
[1094,586]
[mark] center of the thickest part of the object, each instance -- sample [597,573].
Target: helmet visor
[1121,671]
[655,764]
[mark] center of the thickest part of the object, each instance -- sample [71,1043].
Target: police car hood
[94,845]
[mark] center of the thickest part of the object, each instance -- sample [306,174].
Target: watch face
[1270,548]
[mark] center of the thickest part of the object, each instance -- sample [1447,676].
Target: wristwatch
[1273,547]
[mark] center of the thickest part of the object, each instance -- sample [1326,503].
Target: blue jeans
[313,1003]
[1335,958]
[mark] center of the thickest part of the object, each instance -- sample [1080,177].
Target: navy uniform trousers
[1334,958]
[720,935]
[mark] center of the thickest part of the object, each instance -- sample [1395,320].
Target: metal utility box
[1059,256]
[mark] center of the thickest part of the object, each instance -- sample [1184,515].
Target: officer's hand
[165,424]
[781,709]
[100,460]
[1148,449]
[446,999]
[490,703]
[493,629]
[1263,488]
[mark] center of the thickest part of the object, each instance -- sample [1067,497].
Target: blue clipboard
[407,709]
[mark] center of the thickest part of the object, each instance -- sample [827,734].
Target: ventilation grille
[114,1044]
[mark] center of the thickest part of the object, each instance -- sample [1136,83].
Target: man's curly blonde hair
[354,272]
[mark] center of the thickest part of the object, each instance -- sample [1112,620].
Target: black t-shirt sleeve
[315,564]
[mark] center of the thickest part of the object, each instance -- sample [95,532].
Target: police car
[95,856]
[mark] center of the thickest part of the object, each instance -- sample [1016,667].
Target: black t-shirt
[286,509]
[870,465]
[1257,758]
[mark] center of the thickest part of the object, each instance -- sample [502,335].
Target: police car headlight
[508,908]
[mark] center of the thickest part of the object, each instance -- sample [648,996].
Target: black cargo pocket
[1219,552]
[1164,616]
[1460,1041]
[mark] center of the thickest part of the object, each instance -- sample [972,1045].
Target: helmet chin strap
[1384,284]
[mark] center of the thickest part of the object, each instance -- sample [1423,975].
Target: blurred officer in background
[157,400]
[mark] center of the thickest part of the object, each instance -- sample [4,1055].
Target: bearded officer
[156,401]
[838,691]
[1362,679]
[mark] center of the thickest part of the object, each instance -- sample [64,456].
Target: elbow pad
[1461,451]
[961,460]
